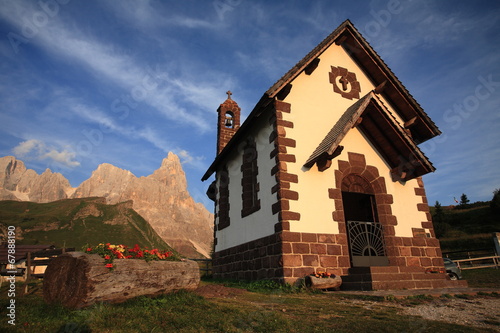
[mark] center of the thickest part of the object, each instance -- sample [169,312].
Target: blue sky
[125,82]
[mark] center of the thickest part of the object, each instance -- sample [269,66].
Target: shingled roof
[415,119]
[381,128]
[365,56]
[338,131]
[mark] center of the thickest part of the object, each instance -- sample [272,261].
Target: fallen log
[77,279]
[333,282]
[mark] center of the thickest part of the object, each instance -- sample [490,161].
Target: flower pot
[332,282]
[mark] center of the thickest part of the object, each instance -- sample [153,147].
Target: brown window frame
[250,185]
[223,201]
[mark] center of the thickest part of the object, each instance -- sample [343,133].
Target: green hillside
[466,228]
[78,222]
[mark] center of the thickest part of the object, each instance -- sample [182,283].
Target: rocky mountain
[161,198]
[19,183]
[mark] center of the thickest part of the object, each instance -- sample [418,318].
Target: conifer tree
[495,202]
[463,201]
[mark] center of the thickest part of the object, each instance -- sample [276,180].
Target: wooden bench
[41,259]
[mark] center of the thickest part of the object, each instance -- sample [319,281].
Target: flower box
[78,279]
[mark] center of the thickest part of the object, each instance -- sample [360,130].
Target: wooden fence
[481,262]
[205,266]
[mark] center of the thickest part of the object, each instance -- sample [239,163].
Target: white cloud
[35,149]
[187,158]
[156,88]
[63,157]
[109,125]
[26,147]
[143,14]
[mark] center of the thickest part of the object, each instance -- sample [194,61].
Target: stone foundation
[290,256]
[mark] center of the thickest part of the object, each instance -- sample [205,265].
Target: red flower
[107,257]
[109,265]
[89,249]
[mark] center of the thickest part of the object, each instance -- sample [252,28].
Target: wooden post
[28,272]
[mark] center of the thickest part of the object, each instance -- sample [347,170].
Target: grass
[268,309]
[262,286]
[482,278]
[466,229]
[61,223]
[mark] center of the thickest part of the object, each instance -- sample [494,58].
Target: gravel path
[480,312]
[483,312]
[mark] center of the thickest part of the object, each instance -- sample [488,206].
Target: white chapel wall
[260,223]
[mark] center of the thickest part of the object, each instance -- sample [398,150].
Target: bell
[229,122]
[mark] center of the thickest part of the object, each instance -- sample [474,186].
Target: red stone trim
[282,156]
[224,134]
[424,207]
[402,251]
[349,78]
[355,176]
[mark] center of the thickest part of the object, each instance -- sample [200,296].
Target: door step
[396,278]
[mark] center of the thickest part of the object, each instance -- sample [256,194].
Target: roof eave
[332,141]
[354,43]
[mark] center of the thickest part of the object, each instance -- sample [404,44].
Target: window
[223,203]
[250,186]
[229,120]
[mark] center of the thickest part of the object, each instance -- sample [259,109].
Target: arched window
[223,202]
[229,120]
[250,186]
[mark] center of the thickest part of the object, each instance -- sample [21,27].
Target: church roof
[422,128]
[338,131]
[380,127]
[346,35]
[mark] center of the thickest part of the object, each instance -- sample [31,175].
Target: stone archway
[355,176]
[364,232]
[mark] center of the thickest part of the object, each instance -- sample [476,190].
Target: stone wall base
[396,278]
[290,256]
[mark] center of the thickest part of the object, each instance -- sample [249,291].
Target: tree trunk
[76,279]
[324,283]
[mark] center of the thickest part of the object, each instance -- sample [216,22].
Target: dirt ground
[479,311]
[215,290]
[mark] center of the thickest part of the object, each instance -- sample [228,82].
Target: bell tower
[228,121]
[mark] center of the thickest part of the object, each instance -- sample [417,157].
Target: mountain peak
[170,160]
[161,198]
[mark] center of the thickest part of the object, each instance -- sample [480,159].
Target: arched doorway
[364,231]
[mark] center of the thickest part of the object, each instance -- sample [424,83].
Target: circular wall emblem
[345,82]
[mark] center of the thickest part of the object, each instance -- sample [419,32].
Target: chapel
[325,175]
